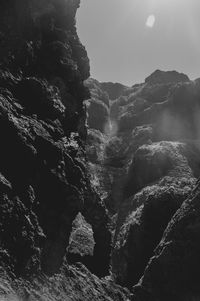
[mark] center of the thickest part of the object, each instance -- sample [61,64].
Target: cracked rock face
[130,211]
[173,272]
[39,156]
[44,181]
[148,170]
[157,185]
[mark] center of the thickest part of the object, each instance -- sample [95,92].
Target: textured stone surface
[44,182]
[98,115]
[74,284]
[81,239]
[56,208]
[173,271]
[152,161]
[159,76]
[97,91]
[114,90]
[163,169]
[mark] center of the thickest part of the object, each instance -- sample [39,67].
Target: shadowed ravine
[99,190]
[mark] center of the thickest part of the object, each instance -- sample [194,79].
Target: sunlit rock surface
[81,239]
[74,284]
[159,180]
[44,177]
[153,162]
[173,271]
[129,211]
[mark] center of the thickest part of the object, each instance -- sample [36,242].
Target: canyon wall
[148,170]
[99,190]
[50,216]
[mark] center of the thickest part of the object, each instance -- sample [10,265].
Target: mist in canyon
[100,150]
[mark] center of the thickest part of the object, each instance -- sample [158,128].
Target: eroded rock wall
[44,181]
[152,159]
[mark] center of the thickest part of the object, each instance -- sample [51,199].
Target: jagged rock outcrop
[75,284]
[152,159]
[167,175]
[158,77]
[56,206]
[114,90]
[173,271]
[44,181]
[95,146]
[35,156]
[98,115]
[97,106]
[159,180]
[162,161]
[97,91]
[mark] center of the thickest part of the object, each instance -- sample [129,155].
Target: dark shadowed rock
[74,284]
[124,211]
[159,76]
[156,161]
[97,115]
[39,98]
[95,146]
[96,91]
[114,90]
[149,213]
[44,182]
[174,119]
[143,217]
[173,271]
[152,162]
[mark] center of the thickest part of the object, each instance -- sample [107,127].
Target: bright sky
[127,40]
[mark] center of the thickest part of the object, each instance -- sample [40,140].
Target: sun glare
[150,21]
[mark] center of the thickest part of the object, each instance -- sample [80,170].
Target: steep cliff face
[35,131]
[44,183]
[130,211]
[151,156]
[173,271]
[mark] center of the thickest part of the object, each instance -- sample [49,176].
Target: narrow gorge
[99,190]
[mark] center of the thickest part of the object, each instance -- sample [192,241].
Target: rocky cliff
[99,197]
[148,171]
[50,216]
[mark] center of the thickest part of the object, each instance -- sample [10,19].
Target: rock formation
[114,90]
[161,77]
[173,271]
[152,160]
[98,181]
[44,182]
